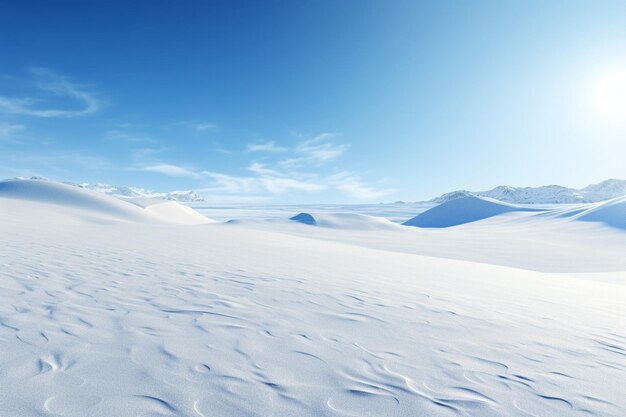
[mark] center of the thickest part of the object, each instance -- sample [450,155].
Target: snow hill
[472,208]
[611,213]
[462,210]
[548,194]
[84,203]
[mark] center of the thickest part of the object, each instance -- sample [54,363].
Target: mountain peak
[545,194]
[135,192]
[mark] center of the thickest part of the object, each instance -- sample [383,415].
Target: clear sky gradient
[314,101]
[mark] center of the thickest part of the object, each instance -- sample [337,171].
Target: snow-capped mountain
[605,190]
[547,194]
[133,192]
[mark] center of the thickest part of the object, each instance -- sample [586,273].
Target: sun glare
[610,96]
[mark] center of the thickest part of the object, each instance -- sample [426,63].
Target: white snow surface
[344,221]
[611,213]
[104,313]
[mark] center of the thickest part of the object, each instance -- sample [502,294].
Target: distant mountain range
[547,194]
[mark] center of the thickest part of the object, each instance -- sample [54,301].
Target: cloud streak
[8,130]
[300,173]
[265,147]
[201,127]
[316,151]
[256,185]
[353,186]
[170,170]
[55,85]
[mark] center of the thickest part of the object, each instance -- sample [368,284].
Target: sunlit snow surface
[397,213]
[124,313]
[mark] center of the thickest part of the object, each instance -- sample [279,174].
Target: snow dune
[611,213]
[131,318]
[463,210]
[90,204]
[170,211]
[472,208]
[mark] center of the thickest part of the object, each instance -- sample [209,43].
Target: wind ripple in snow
[101,320]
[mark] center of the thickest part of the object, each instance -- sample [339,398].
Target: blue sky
[314,101]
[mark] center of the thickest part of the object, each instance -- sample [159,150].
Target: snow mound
[91,204]
[462,210]
[304,218]
[612,213]
[48,192]
[344,221]
[171,211]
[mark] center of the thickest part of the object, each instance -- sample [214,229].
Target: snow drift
[85,203]
[170,211]
[612,213]
[463,210]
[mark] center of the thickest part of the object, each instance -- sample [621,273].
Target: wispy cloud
[316,151]
[197,126]
[140,154]
[353,186]
[255,185]
[261,169]
[8,130]
[58,86]
[201,127]
[301,173]
[170,170]
[265,147]
[270,181]
[321,148]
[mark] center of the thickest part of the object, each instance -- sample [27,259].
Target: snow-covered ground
[396,213]
[134,308]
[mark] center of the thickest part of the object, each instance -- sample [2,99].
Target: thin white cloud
[265,147]
[201,127]
[170,170]
[280,185]
[261,169]
[255,185]
[143,153]
[353,186]
[198,126]
[58,86]
[267,179]
[231,184]
[8,130]
[317,151]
